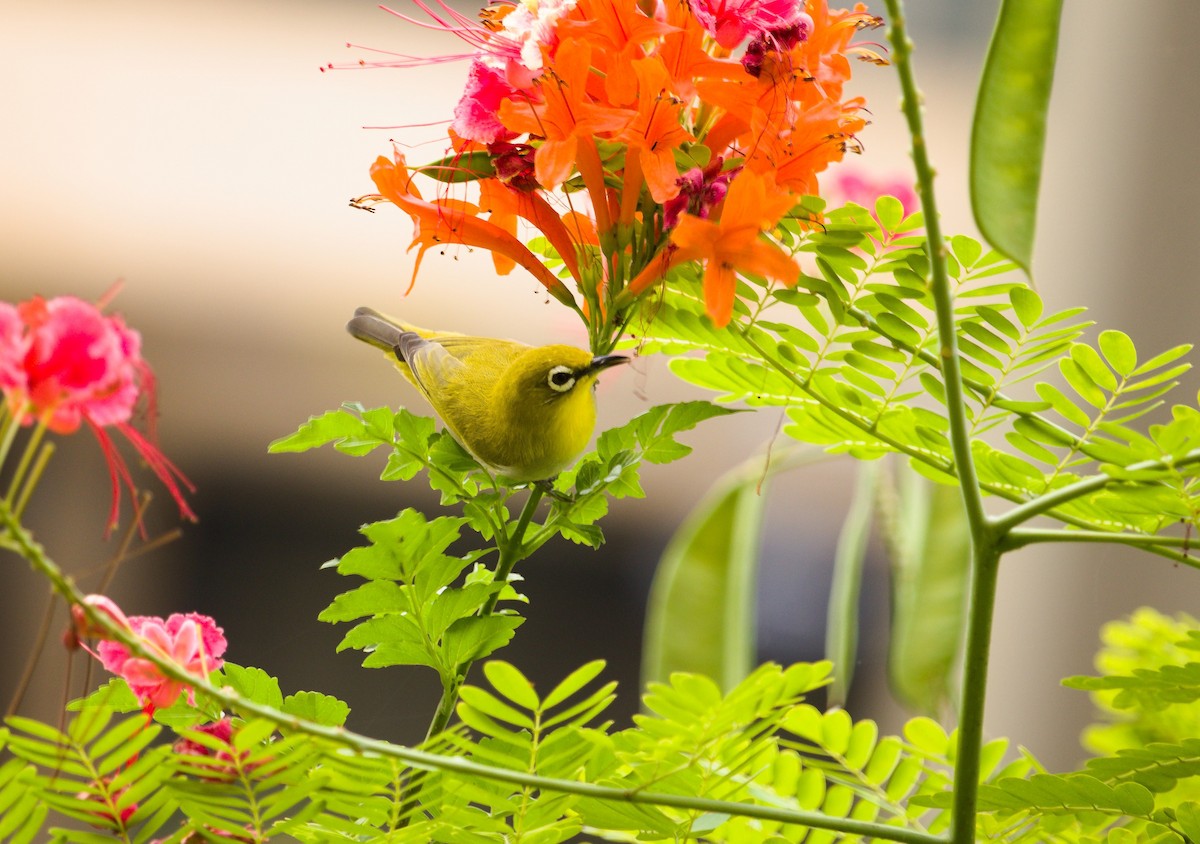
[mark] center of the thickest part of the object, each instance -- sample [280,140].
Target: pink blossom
[700,190]
[194,642]
[63,363]
[80,364]
[14,345]
[82,627]
[730,22]
[531,27]
[854,185]
[476,115]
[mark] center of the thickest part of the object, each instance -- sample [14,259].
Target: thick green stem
[985,557]
[984,576]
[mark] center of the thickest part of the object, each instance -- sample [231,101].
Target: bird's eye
[561,379]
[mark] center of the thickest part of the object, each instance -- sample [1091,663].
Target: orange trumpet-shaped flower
[734,244]
[618,29]
[454,221]
[655,132]
[565,116]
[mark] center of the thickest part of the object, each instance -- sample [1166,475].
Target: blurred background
[197,153]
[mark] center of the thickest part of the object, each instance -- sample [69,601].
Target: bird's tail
[380,331]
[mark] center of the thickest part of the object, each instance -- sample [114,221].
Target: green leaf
[508,680]
[315,706]
[700,616]
[1119,351]
[842,623]
[928,540]
[319,430]
[573,682]
[477,636]
[460,167]
[253,684]
[1009,131]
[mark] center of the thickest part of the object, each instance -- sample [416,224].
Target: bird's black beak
[604,362]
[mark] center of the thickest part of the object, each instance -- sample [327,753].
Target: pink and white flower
[194,642]
[63,362]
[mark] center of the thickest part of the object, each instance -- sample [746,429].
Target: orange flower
[454,221]
[734,244]
[564,117]
[618,29]
[655,132]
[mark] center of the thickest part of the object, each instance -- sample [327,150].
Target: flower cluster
[63,363]
[194,642]
[692,127]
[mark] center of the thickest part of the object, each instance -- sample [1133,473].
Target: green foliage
[852,353]
[842,623]
[414,614]
[1142,646]
[100,772]
[514,728]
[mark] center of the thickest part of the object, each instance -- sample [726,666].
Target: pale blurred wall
[196,152]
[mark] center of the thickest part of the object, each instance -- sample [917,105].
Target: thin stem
[35,655]
[514,548]
[985,557]
[1020,537]
[1095,483]
[27,455]
[512,551]
[9,428]
[425,760]
[939,278]
[31,482]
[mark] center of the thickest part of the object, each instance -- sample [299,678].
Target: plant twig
[985,557]
[1056,498]
[511,552]
[424,760]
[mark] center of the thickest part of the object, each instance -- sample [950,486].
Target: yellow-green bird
[526,412]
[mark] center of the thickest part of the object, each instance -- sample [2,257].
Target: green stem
[1020,537]
[985,571]
[425,760]
[8,430]
[939,277]
[1044,503]
[31,447]
[512,551]
[985,556]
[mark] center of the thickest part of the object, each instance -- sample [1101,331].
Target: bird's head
[550,374]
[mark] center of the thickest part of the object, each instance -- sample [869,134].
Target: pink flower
[194,642]
[700,190]
[730,22]
[83,628]
[851,185]
[476,117]
[107,814]
[221,764]
[63,362]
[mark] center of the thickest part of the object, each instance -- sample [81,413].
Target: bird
[524,412]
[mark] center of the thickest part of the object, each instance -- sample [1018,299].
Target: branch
[425,760]
[985,557]
[1048,501]
[1161,545]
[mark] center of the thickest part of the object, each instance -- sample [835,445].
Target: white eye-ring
[561,379]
